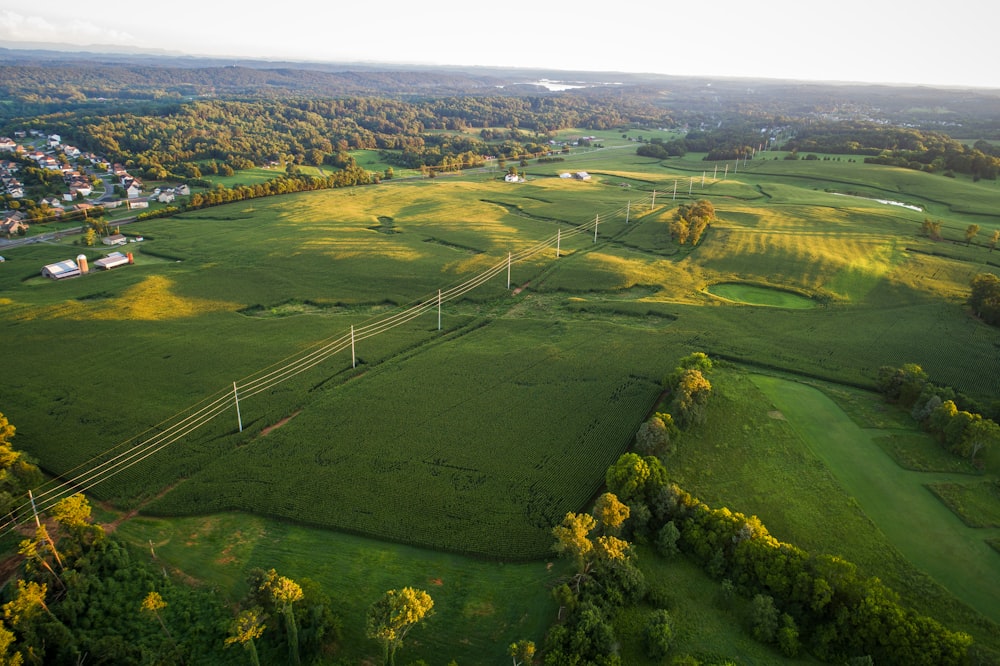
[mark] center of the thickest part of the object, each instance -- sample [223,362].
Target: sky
[884,41]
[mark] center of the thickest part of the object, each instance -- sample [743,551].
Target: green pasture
[786,452]
[753,295]
[921,527]
[479,607]
[479,436]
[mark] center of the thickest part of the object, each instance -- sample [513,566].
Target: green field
[475,437]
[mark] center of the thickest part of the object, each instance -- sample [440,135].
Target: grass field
[477,437]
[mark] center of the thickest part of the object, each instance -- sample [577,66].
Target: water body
[888,202]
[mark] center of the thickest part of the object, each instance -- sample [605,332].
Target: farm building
[114,239]
[62,269]
[112,260]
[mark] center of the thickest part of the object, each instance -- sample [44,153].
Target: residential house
[13,222]
[133,190]
[7,144]
[182,190]
[54,140]
[165,196]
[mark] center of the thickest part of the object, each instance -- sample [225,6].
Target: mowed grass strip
[914,521]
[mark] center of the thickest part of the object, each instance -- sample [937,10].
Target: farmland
[475,437]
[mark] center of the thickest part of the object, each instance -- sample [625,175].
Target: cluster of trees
[82,595]
[689,389]
[964,433]
[799,602]
[172,139]
[691,220]
[984,297]
[606,579]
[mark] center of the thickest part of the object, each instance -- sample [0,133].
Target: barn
[62,269]
[112,260]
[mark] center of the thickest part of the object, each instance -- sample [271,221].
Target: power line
[131,452]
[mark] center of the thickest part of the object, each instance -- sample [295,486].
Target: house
[182,190]
[61,270]
[7,144]
[71,151]
[138,203]
[581,175]
[133,189]
[112,260]
[13,223]
[114,239]
[54,140]
[166,196]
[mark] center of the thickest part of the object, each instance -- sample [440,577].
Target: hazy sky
[947,43]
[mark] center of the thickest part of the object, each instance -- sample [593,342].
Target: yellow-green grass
[479,607]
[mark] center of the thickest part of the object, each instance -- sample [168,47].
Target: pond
[752,294]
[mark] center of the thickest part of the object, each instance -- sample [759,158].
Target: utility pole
[628,209]
[653,201]
[439,309]
[596,220]
[558,241]
[690,185]
[236,397]
[675,190]
[354,359]
[508,269]
[34,508]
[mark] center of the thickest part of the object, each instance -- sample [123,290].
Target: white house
[134,190]
[166,196]
[7,144]
[54,140]
[114,239]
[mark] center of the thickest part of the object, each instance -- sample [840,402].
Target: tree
[247,627]
[659,634]
[763,618]
[610,513]
[970,233]
[655,435]
[690,399]
[6,643]
[90,237]
[572,538]
[994,239]
[627,477]
[931,229]
[980,434]
[73,514]
[392,617]
[984,297]
[521,652]
[153,604]
[283,592]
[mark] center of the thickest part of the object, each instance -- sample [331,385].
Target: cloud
[24,28]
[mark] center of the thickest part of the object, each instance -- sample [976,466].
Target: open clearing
[916,522]
[478,436]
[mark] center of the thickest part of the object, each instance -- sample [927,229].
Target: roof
[62,269]
[112,260]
